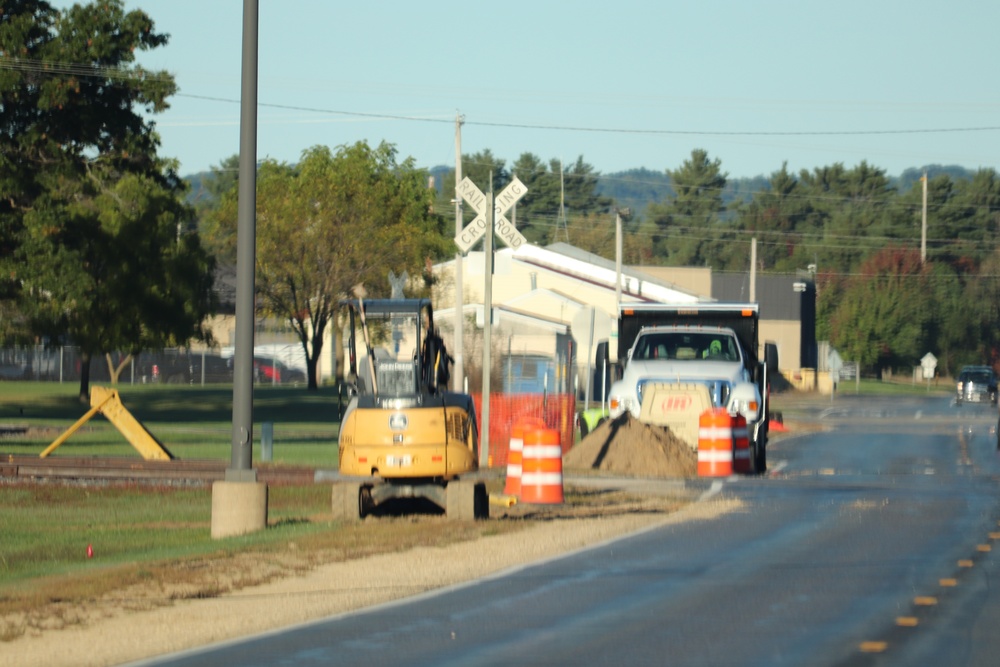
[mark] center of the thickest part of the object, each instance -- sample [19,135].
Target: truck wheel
[759,459]
[461,500]
[348,502]
[482,501]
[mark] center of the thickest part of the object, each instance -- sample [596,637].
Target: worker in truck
[714,350]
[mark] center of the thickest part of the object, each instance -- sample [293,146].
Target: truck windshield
[683,346]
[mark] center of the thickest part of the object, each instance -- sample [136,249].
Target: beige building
[543,299]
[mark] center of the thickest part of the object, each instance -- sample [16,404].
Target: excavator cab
[404,434]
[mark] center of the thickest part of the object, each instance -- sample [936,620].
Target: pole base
[238,508]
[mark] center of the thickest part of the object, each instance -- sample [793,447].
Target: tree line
[103,246]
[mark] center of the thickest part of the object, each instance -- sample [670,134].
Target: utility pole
[459,381]
[618,262]
[923,222]
[753,269]
[561,222]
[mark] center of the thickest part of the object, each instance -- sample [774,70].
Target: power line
[607,130]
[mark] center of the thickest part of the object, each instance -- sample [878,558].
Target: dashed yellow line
[925,601]
[873,647]
[948,582]
[965,562]
[984,547]
[907,621]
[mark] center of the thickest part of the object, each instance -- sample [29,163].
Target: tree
[109,272]
[682,226]
[885,317]
[331,221]
[89,214]
[552,189]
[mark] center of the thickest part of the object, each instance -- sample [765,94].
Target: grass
[903,387]
[152,544]
[192,422]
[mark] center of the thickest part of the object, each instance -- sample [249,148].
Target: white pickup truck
[682,359]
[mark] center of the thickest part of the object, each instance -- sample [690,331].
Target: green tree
[331,221]
[554,188]
[89,214]
[775,215]
[885,317]
[683,226]
[109,272]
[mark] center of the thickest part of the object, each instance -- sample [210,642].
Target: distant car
[194,368]
[976,384]
[272,371]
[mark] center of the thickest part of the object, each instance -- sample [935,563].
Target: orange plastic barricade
[541,467]
[515,454]
[715,443]
[741,446]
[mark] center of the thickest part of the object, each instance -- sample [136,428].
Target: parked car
[267,370]
[976,384]
[196,368]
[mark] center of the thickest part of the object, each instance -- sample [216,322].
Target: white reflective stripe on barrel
[541,452]
[715,433]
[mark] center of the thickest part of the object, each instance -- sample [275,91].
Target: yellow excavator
[403,434]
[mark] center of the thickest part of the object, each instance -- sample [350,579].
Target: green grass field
[192,422]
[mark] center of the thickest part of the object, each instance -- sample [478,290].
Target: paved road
[866,545]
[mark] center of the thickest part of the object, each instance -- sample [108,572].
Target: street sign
[928,363]
[502,203]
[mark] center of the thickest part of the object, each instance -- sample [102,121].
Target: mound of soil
[627,446]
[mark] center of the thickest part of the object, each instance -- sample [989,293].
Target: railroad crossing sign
[502,226]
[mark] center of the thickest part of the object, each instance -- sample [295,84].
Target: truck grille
[718,390]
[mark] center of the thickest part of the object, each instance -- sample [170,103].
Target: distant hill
[637,188]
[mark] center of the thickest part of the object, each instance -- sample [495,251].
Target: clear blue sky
[896,83]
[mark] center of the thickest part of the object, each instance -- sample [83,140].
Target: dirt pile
[627,446]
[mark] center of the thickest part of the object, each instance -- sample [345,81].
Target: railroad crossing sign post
[490,214]
[476,229]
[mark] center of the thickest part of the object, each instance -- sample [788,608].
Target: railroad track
[124,469]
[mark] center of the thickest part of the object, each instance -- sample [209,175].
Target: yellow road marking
[907,621]
[984,547]
[873,646]
[925,601]
[948,582]
[965,563]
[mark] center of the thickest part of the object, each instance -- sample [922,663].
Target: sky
[625,84]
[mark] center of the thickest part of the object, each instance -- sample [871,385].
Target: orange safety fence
[558,411]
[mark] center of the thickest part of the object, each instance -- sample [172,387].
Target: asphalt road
[867,544]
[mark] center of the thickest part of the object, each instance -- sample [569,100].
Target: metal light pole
[239,502]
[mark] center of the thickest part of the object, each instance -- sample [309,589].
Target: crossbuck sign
[502,226]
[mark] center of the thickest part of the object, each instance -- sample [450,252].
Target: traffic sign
[502,226]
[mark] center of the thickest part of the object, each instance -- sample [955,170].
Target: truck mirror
[771,357]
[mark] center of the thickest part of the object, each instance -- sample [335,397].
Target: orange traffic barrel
[515,454]
[741,446]
[715,443]
[541,467]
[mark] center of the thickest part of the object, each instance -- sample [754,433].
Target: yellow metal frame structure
[108,403]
